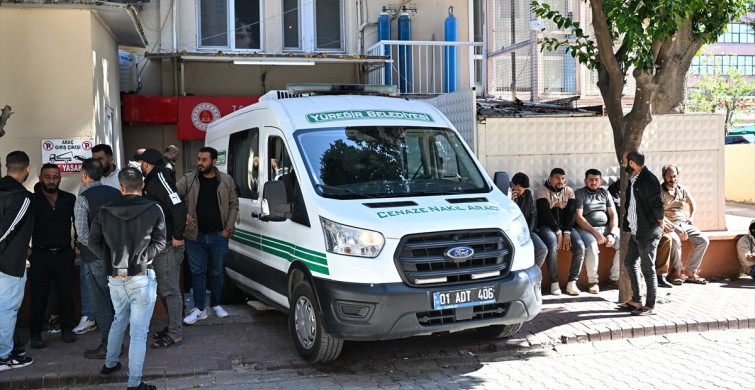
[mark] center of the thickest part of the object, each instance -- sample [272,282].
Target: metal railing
[428,67]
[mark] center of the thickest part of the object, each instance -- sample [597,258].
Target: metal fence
[428,67]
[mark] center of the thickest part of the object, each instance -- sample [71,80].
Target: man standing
[556,213]
[159,186]
[212,207]
[52,256]
[596,220]
[675,197]
[88,204]
[169,157]
[127,234]
[104,153]
[644,219]
[16,224]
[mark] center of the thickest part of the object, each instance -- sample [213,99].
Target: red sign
[196,112]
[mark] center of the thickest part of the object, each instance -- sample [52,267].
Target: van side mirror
[501,180]
[278,207]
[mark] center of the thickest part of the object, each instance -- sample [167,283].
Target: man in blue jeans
[16,224]
[212,206]
[127,235]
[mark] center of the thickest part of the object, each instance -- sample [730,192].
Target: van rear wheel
[499,331]
[305,323]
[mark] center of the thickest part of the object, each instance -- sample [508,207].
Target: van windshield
[380,162]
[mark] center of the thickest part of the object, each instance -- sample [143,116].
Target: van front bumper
[364,312]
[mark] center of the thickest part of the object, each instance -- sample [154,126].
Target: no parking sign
[67,154]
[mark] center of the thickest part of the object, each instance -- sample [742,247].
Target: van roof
[347,110]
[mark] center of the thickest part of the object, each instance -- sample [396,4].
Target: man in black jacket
[160,187]
[643,217]
[16,224]
[127,234]
[52,255]
[557,214]
[522,196]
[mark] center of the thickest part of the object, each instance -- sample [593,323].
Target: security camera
[536,25]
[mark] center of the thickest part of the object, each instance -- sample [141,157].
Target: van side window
[243,162]
[281,168]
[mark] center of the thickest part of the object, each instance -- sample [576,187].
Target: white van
[368,218]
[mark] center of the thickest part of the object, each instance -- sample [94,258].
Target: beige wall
[740,173]
[55,72]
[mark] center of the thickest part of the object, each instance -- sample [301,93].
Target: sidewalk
[259,341]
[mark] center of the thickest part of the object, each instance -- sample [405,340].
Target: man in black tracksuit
[16,225]
[160,186]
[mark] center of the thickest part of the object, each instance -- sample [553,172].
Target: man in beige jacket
[746,251]
[212,207]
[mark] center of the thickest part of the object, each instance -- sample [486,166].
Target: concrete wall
[46,74]
[534,146]
[740,173]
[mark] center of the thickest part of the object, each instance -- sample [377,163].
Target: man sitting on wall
[675,196]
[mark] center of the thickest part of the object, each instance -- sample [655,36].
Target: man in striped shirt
[644,219]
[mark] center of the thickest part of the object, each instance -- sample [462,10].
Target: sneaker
[593,288]
[97,353]
[13,361]
[571,288]
[18,352]
[142,386]
[85,325]
[68,336]
[53,325]
[219,311]
[555,289]
[195,315]
[37,342]
[109,370]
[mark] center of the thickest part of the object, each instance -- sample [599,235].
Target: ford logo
[459,254]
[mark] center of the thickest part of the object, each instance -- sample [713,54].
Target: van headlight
[521,231]
[351,241]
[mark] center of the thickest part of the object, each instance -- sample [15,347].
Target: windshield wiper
[346,190]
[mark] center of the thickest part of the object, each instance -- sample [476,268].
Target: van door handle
[256,214]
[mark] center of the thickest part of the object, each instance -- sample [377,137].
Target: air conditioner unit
[128,62]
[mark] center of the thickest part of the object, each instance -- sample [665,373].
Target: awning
[121,19]
[288,59]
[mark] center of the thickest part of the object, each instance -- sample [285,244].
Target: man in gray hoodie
[127,234]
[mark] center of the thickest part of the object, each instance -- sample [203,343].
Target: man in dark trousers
[643,217]
[93,196]
[160,187]
[52,256]
[212,210]
[127,234]
[16,224]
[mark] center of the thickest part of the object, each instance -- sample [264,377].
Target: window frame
[307,22]
[230,28]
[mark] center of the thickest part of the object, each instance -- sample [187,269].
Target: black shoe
[109,370]
[37,342]
[662,282]
[97,353]
[18,352]
[142,386]
[68,336]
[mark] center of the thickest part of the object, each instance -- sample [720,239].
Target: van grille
[448,316]
[421,262]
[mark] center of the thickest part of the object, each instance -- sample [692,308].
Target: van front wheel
[305,324]
[499,331]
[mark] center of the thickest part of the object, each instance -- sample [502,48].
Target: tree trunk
[672,62]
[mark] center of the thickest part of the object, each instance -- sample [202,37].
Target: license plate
[463,298]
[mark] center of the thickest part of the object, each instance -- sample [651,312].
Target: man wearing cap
[159,186]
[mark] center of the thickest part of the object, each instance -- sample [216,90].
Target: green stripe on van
[315,261]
